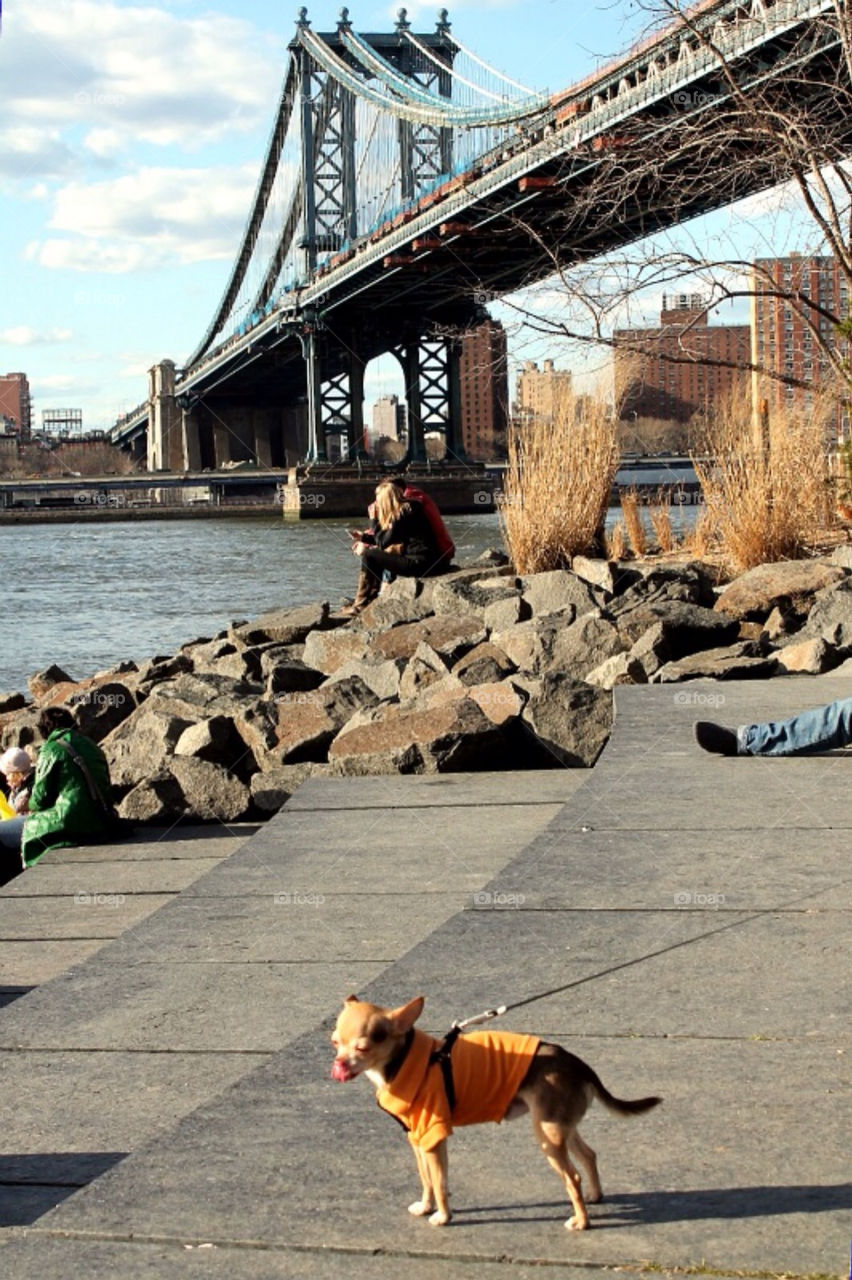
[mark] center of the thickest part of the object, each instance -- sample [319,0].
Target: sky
[132,142]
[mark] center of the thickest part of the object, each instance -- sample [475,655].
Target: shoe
[715,738]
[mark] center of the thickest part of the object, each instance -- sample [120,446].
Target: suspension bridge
[407,183]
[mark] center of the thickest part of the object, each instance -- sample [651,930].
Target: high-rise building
[484,386]
[541,392]
[15,402]
[781,339]
[390,416]
[683,367]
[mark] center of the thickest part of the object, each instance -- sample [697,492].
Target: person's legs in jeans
[820,729]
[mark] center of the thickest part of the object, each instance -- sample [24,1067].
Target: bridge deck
[731,1006]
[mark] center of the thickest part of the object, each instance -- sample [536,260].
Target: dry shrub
[766,488]
[661,521]
[703,536]
[616,543]
[558,484]
[633,520]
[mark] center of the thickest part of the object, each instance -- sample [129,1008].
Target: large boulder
[734,662]
[143,744]
[284,626]
[382,675]
[529,645]
[424,668]
[218,741]
[156,799]
[808,657]
[102,708]
[455,736]
[20,728]
[506,612]
[603,574]
[567,721]
[471,595]
[449,636]
[307,722]
[556,590]
[830,617]
[485,664]
[687,627]
[584,645]
[198,696]
[789,585]
[691,583]
[210,792]
[43,682]
[328,650]
[12,702]
[274,787]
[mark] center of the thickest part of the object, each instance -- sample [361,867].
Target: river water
[87,596]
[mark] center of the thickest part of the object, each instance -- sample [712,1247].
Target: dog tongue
[340,1071]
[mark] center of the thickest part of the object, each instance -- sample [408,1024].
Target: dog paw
[420,1208]
[439,1218]
[577,1224]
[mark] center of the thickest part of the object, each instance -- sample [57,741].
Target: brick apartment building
[15,404]
[484,378]
[781,340]
[654,385]
[541,392]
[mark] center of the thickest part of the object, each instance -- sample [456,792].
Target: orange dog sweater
[488,1069]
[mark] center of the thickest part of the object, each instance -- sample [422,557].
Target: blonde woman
[402,542]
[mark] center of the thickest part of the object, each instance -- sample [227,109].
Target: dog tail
[624,1106]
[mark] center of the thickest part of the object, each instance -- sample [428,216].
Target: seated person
[819,729]
[401,541]
[16,765]
[70,800]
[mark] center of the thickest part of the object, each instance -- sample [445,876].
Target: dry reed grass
[767,491]
[616,543]
[558,483]
[661,520]
[629,499]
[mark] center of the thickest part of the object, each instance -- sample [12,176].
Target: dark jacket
[413,532]
[63,810]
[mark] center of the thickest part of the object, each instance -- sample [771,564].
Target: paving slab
[80,913]
[533,786]
[735,1014]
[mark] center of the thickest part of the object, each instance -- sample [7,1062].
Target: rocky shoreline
[479,669]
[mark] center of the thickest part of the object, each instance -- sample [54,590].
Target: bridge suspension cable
[457,76]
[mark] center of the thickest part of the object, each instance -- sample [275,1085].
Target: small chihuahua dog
[487,1075]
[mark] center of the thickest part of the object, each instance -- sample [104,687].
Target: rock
[736,662]
[585,645]
[292,676]
[11,702]
[218,741]
[450,637]
[843,556]
[567,721]
[155,799]
[789,585]
[506,612]
[778,625]
[389,610]
[501,702]
[454,737]
[485,664]
[603,574]
[470,595]
[210,791]
[651,651]
[328,650]
[284,626]
[831,617]
[812,657]
[555,591]
[529,645]
[687,627]
[42,682]
[198,696]
[492,555]
[424,668]
[142,744]
[845,669]
[102,708]
[20,728]
[307,722]
[382,676]
[690,583]
[621,668]
[273,788]
[157,669]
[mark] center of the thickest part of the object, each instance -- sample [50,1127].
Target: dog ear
[404,1018]
[351,1000]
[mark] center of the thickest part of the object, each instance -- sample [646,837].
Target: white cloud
[128,74]
[60,384]
[148,219]
[23,336]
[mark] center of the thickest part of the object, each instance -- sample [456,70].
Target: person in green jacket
[70,801]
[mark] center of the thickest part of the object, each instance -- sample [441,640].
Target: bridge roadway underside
[659,167]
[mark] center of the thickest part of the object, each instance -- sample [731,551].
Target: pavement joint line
[645,1267]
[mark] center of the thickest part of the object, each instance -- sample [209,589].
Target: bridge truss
[392,159]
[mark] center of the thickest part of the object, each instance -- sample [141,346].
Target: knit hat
[15,759]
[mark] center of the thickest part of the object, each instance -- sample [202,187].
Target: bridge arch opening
[385,410]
